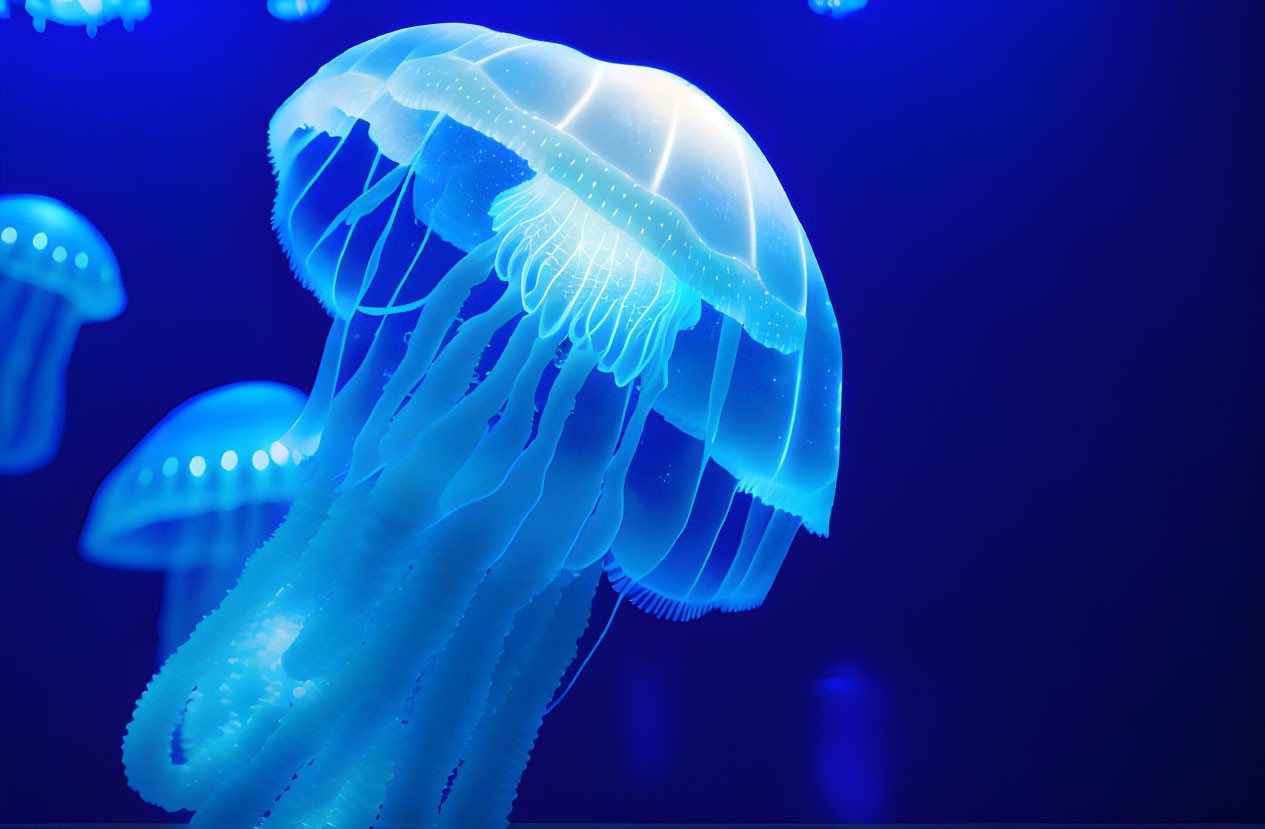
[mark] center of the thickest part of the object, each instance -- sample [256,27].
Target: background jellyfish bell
[87,13]
[196,495]
[294,10]
[56,272]
[510,307]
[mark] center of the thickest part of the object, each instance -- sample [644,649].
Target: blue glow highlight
[198,535]
[44,303]
[519,282]
[850,753]
[90,14]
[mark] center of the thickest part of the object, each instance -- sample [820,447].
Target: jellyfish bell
[90,14]
[837,8]
[56,272]
[577,325]
[292,10]
[197,495]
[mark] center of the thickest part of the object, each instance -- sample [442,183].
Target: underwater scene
[422,413]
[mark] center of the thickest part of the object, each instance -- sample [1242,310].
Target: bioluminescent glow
[850,751]
[4,8]
[43,301]
[836,8]
[296,9]
[577,325]
[166,508]
[87,13]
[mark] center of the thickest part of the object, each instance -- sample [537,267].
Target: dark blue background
[1041,224]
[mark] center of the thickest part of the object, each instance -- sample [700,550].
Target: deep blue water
[1041,225]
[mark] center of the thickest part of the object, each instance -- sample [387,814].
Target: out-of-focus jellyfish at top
[87,13]
[4,8]
[296,9]
[197,495]
[56,271]
[836,8]
[576,325]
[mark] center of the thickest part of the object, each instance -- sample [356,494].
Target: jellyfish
[87,13]
[296,9]
[836,8]
[577,327]
[4,8]
[56,271]
[196,495]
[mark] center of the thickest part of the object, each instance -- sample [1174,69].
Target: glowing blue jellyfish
[4,8]
[56,271]
[296,9]
[836,8]
[87,13]
[576,324]
[196,496]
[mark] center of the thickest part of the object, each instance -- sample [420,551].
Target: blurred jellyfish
[56,271]
[836,8]
[196,496]
[87,13]
[848,731]
[296,9]
[4,8]
[576,325]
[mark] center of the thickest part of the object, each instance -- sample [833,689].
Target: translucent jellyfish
[296,9]
[87,13]
[836,8]
[196,495]
[56,271]
[4,8]
[576,325]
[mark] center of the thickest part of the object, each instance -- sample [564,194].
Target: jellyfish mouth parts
[387,656]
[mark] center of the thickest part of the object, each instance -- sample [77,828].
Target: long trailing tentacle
[487,782]
[420,616]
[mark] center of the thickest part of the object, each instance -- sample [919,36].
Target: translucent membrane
[518,390]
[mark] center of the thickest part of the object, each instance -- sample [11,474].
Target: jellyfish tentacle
[424,342]
[33,372]
[487,784]
[418,618]
[19,369]
[203,662]
[362,574]
[454,692]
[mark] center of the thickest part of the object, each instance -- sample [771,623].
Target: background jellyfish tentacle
[90,14]
[577,326]
[56,272]
[197,495]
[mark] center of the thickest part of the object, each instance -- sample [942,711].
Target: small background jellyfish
[4,8]
[296,9]
[836,8]
[577,327]
[197,495]
[56,271]
[88,13]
